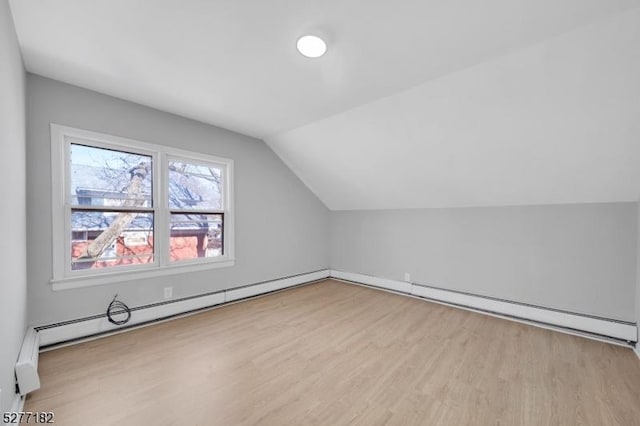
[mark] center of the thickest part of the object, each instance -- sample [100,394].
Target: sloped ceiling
[416,104]
[557,122]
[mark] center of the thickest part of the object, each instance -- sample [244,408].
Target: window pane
[104,177]
[195,235]
[194,186]
[103,239]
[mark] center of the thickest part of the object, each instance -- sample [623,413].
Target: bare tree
[135,198]
[183,192]
[186,192]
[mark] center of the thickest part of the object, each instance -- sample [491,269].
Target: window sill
[69,283]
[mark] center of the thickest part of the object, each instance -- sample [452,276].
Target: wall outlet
[407,277]
[168,293]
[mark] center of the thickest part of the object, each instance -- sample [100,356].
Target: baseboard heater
[602,328]
[27,379]
[68,331]
[585,325]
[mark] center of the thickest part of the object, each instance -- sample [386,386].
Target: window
[109,195]
[195,206]
[123,207]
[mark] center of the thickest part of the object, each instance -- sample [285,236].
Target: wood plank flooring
[331,354]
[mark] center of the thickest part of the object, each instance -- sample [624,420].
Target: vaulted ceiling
[418,103]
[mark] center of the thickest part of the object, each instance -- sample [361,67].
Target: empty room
[315,212]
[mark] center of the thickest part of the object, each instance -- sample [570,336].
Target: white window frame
[64,277]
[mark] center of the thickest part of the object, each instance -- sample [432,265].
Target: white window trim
[64,278]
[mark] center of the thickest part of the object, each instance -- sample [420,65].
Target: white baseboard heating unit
[27,366]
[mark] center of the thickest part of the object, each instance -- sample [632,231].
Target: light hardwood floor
[333,353]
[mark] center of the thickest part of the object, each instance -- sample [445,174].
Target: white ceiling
[558,122]
[417,102]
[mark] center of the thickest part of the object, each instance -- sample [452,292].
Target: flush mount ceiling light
[311,46]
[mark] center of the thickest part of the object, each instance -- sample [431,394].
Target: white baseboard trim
[399,286]
[73,330]
[603,327]
[637,350]
[269,286]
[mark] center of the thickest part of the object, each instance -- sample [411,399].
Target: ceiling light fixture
[311,46]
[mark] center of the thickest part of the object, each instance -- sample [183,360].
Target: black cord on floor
[117,307]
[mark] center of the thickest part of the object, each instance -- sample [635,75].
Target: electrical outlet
[407,277]
[168,293]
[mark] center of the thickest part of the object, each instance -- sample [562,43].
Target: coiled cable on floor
[117,308]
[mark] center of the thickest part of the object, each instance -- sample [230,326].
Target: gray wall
[281,228]
[580,258]
[13,284]
[638,274]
